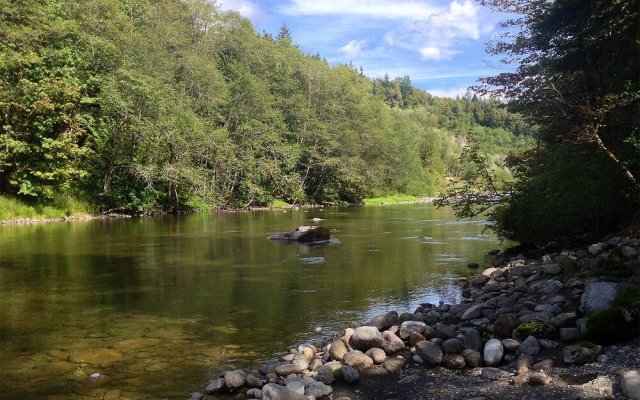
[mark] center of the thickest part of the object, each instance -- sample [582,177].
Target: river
[154,307]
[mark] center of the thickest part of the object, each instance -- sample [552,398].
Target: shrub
[567,190]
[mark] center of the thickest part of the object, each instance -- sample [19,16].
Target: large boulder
[599,295]
[430,352]
[366,337]
[385,321]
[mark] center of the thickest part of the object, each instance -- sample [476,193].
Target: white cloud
[353,48]
[461,91]
[388,9]
[436,37]
[246,8]
[436,53]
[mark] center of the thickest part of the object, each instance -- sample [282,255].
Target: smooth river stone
[366,337]
[493,352]
[409,327]
[430,352]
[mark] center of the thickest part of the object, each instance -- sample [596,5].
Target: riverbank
[13,212]
[542,325]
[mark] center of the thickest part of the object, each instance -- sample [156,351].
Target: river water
[154,307]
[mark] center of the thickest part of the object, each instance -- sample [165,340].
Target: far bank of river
[159,305]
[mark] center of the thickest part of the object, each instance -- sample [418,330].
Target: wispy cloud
[388,9]
[353,48]
[246,8]
[436,53]
[452,93]
[436,37]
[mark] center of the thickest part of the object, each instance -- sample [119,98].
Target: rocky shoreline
[557,326]
[25,221]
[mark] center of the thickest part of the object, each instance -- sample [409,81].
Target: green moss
[396,198]
[277,203]
[539,329]
[630,297]
[612,326]
[588,344]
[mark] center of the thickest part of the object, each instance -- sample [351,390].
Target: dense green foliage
[577,81]
[172,104]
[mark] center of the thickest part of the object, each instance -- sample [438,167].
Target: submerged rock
[304,234]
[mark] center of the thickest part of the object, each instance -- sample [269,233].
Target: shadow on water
[157,304]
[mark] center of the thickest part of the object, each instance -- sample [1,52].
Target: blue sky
[440,44]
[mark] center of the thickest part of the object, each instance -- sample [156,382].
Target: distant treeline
[174,104]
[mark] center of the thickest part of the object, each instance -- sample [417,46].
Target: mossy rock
[537,328]
[613,325]
[630,297]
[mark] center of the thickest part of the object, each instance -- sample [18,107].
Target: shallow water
[157,306]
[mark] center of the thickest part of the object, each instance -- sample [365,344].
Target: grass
[395,198]
[277,203]
[60,207]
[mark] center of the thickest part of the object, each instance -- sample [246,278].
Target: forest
[146,106]
[142,106]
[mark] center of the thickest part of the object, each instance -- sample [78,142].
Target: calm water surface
[159,305]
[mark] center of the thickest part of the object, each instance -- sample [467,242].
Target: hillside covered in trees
[142,105]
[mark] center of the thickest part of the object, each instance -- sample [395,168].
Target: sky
[440,44]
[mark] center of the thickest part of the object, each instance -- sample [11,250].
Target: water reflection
[157,304]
